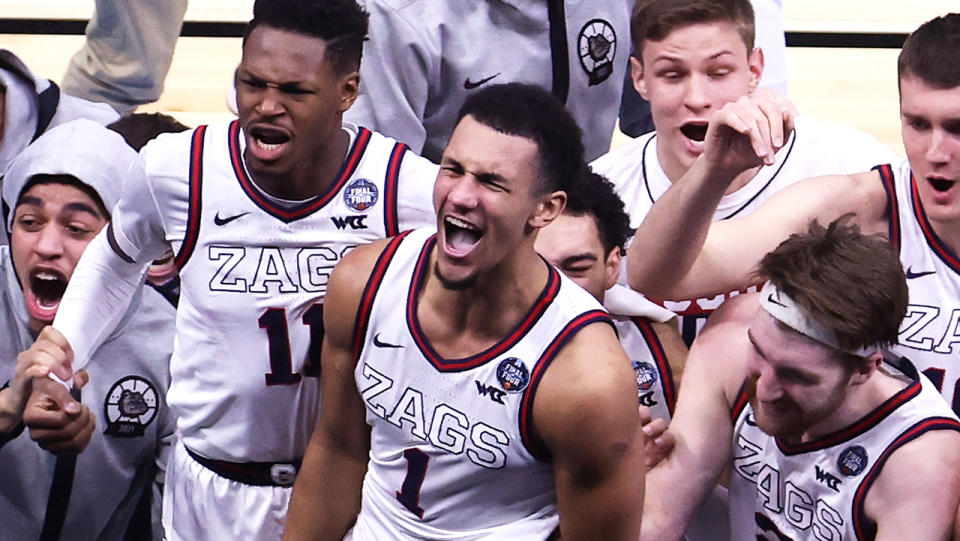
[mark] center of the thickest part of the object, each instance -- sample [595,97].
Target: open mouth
[695,131]
[267,138]
[460,236]
[941,184]
[46,288]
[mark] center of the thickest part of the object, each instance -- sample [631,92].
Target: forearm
[11,414]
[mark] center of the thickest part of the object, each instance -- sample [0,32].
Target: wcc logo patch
[597,46]
[513,375]
[852,460]
[130,406]
[361,194]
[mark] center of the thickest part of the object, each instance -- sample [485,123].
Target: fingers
[56,421]
[51,351]
[764,117]
[658,441]
[73,436]
[80,378]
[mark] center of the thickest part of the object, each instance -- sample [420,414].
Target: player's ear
[755,64]
[636,75]
[865,367]
[548,208]
[611,267]
[349,86]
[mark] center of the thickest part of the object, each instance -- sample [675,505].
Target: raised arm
[585,411]
[701,426]
[326,495]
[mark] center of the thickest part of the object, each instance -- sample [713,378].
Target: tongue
[461,240]
[41,309]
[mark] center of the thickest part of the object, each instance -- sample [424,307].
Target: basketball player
[690,58]
[59,190]
[488,390]
[915,203]
[258,212]
[586,242]
[787,388]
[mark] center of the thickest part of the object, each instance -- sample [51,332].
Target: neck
[859,402]
[948,233]
[676,171]
[307,178]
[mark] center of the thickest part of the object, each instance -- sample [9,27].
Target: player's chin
[453,278]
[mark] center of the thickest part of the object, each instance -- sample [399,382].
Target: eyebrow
[670,58]
[82,207]
[483,177]
[569,260]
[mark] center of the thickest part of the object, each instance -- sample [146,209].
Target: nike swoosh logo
[224,221]
[911,275]
[379,344]
[470,85]
[775,301]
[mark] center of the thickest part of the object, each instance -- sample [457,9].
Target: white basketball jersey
[452,451]
[930,333]
[253,278]
[814,148]
[816,490]
[655,385]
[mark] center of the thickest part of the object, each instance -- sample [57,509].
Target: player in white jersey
[690,58]
[498,401]
[586,243]
[58,191]
[916,204]
[257,211]
[787,386]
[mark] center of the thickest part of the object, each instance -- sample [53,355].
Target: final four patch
[513,375]
[852,460]
[598,46]
[130,406]
[646,375]
[361,194]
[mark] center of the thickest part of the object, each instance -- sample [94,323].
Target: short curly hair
[595,196]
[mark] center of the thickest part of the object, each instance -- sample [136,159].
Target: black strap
[556,14]
[17,430]
[60,489]
[47,101]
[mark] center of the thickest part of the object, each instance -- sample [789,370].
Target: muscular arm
[585,412]
[921,479]
[701,425]
[326,495]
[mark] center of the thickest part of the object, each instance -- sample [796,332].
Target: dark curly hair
[595,196]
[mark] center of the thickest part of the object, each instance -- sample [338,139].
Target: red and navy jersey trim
[196,185]
[660,358]
[863,527]
[362,320]
[287,215]
[391,215]
[938,246]
[534,446]
[893,206]
[854,430]
[467,363]
[743,398]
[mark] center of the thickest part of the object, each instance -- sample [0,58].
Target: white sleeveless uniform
[452,454]
[249,322]
[815,148]
[816,490]
[655,386]
[930,333]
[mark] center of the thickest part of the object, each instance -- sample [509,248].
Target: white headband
[779,305]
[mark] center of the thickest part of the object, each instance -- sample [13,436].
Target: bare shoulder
[718,355]
[346,286]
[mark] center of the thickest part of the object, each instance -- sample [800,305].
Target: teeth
[460,223]
[46,276]
[266,146]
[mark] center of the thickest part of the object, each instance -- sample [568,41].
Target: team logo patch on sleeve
[361,194]
[513,375]
[852,460]
[597,46]
[646,375]
[130,406]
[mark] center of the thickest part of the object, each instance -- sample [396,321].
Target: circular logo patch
[646,375]
[513,375]
[597,46]
[360,194]
[852,460]
[130,406]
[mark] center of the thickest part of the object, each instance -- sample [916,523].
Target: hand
[658,442]
[56,421]
[747,133]
[49,354]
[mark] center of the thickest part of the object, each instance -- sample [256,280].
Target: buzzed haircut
[932,53]
[342,24]
[595,196]
[653,20]
[533,113]
[851,284]
[138,128]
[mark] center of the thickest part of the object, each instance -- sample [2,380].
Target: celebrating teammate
[786,387]
[915,203]
[258,212]
[487,390]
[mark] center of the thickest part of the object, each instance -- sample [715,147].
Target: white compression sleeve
[96,298]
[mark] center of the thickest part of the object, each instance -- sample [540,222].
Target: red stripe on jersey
[466,363]
[193,213]
[743,398]
[893,206]
[347,169]
[362,320]
[939,248]
[862,525]
[660,358]
[867,422]
[391,215]
[530,442]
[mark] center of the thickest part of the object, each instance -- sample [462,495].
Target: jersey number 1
[409,493]
[274,321]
